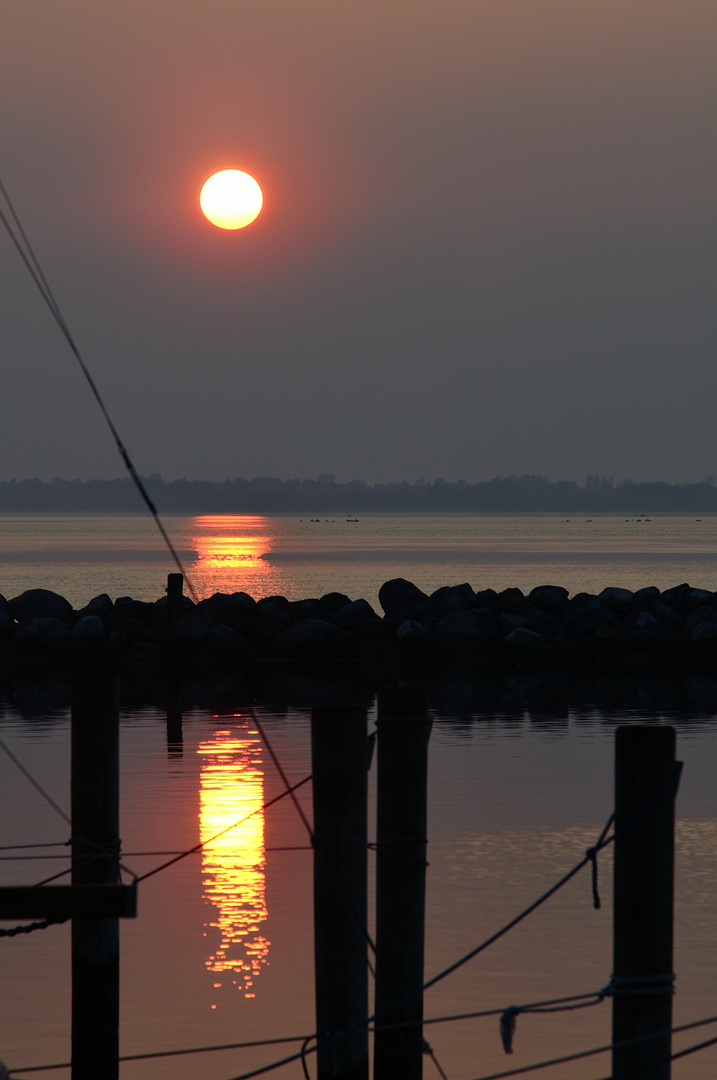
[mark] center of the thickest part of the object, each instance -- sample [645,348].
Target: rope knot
[638,985]
[507,1027]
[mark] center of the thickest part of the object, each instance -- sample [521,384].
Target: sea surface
[221,951]
[81,556]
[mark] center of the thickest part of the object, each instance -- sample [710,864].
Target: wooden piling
[403,733]
[95,860]
[338,753]
[175,584]
[645,769]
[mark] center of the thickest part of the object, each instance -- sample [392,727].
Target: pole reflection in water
[233,865]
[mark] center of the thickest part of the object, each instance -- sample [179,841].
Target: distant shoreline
[269,495]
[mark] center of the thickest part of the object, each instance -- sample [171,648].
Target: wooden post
[403,733]
[643,900]
[175,583]
[338,754]
[95,859]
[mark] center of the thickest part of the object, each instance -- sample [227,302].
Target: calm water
[222,949]
[81,556]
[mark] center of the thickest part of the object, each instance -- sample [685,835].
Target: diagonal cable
[203,843]
[38,787]
[32,264]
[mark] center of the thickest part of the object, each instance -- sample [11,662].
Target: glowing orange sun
[231,199]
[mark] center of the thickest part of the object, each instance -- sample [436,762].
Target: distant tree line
[268,494]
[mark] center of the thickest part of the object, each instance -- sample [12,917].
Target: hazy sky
[489,242]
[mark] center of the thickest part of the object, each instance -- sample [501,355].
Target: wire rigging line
[19,847]
[172,1053]
[589,857]
[28,776]
[32,264]
[617,1046]
[209,840]
[359,922]
[307,1038]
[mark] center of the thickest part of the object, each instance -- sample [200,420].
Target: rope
[174,1053]
[609,1047]
[295,1038]
[639,985]
[602,842]
[510,1015]
[16,761]
[428,1050]
[28,928]
[31,858]
[19,847]
[360,924]
[203,843]
[33,267]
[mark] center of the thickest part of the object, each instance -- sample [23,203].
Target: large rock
[465,634]
[643,598]
[7,624]
[40,604]
[699,616]
[703,639]
[351,616]
[332,602]
[585,613]
[550,598]
[414,638]
[127,608]
[37,629]
[510,600]
[458,598]
[399,598]
[314,639]
[90,629]
[523,644]
[540,622]
[619,600]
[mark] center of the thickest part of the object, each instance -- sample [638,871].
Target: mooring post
[645,775]
[95,860]
[403,732]
[338,756]
[175,583]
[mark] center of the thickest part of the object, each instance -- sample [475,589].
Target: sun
[231,199]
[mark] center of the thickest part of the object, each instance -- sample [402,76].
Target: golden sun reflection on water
[231,542]
[233,865]
[232,555]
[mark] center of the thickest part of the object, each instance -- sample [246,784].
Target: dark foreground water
[520,784]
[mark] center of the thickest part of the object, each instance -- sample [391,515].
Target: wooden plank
[68,901]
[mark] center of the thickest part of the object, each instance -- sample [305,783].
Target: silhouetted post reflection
[403,733]
[338,755]
[643,899]
[95,860]
[174,665]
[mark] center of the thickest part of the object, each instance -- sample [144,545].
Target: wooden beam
[643,900]
[68,902]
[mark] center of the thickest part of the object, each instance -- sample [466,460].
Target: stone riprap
[455,622]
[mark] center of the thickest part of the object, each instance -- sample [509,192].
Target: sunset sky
[488,243]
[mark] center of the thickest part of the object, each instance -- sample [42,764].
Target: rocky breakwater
[454,623]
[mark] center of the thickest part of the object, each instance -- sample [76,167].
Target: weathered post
[645,770]
[403,733]
[175,583]
[338,755]
[95,860]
